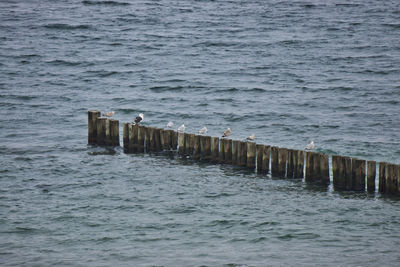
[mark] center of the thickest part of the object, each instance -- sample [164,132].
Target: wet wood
[358,174]
[242,154]
[165,136]
[148,138]
[214,149]
[324,168]
[188,149]
[221,153]
[275,161]
[235,151]
[265,159]
[130,141]
[157,139]
[141,137]
[259,156]
[348,173]
[299,172]
[114,126]
[125,139]
[205,147]
[196,147]
[282,162]
[251,155]
[339,181]
[290,163]
[228,151]
[382,177]
[174,140]
[391,179]
[371,174]
[101,131]
[309,176]
[92,126]
[108,141]
[181,144]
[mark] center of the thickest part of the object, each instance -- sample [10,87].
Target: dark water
[288,71]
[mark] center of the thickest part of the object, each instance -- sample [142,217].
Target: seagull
[310,146]
[170,124]
[109,114]
[181,128]
[251,137]
[139,118]
[203,130]
[227,132]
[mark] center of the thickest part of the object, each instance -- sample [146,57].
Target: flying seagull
[109,114]
[251,137]
[310,146]
[181,128]
[170,125]
[139,118]
[227,132]
[203,130]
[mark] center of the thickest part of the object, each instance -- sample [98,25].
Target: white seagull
[139,118]
[181,128]
[310,146]
[251,137]
[170,124]
[227,132]
[203,130]
[109,114]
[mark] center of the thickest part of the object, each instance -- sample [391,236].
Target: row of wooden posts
[348,173]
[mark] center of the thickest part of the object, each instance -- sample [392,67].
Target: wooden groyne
[350,174]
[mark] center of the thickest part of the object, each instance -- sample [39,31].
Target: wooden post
[181,144]
[265,160]
[242,154]
[187,144]
[141,137]
[391,179]
[251,155]
[92,126]
[358,174]
[108,141]
[275,161]
[316,170]
[348,173]
[130,136]
[101,131]
[324,171]
[166,139]
[282,162]
[398,178]
[196,147]
[235,151]
[299,173]
[382,175]
[135,133]
[114,124]
[290,163]
[260,151]
[221,153]
[205,147]
[174,140]
[126,136]
[339,181]
[190,148]
[148,138]
[228,151]
[152,141]
[214,149]
[157,139]
[371,173]
[309,167]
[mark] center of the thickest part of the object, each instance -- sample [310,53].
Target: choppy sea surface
[288,71]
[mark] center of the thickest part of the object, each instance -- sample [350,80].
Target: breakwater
[346,173]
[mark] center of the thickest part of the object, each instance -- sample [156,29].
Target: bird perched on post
[203,130]
[109,114]
[251,137]
[227,132]
[170,125]
[181,128]
[310,146]
[139,118]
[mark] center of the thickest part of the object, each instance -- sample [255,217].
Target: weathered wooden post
[358,174]
[221,153]
[101,131]
[235,151]
[259,155]
[324,171]
[92,126]
[108,141]
[242,154]
[205,147]
[114,124]
[134,140]
[275,161]
[214,149]
[265,160]
[316,170]
[190,148]
[371,173]
[290,163]
[391,178]
[299,158]
[174,140]
[152,139]
[165,136]
[309,167]
[282,162]
[228,151]
[126,136]
[251,155]
[147,136]
[181,144]
[157,139]
[141,137]
[196,147]
[348,172]
[382,177]
[130,136]
[339,181]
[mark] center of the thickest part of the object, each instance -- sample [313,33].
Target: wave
[107,3]
[63,26]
